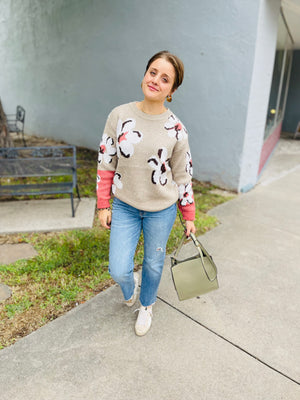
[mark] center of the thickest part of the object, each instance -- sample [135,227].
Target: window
[280,79]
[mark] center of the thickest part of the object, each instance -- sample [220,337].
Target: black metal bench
[16,122]
[57,163]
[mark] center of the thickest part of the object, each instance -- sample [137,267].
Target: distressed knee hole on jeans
[160,249]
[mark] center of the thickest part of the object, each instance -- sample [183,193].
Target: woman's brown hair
[175,61]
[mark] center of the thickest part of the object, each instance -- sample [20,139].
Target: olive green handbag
[195,275]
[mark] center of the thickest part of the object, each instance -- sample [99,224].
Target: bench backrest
[20,114]
[38,161]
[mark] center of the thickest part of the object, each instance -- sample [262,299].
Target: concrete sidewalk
[238,343]
[45,215]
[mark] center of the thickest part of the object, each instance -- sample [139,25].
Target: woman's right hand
[105,218]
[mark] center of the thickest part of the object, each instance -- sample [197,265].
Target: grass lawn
[71,267]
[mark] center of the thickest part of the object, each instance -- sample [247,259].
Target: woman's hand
[190,227]
[105,218]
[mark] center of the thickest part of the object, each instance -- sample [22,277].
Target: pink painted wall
[268,146]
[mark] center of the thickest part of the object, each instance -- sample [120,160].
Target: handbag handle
[198,245]
[195,240]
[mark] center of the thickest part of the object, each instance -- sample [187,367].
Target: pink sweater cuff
[104,183]
[187,211]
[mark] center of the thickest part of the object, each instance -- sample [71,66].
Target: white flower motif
[98,181]
[175,128]
[189,163]
[127,137]
[106,149]
[116,183]
[185,194]
[161,166]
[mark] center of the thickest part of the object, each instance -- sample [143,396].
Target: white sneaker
[143,321]
[132,300]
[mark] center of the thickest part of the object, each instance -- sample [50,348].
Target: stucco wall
[292,111]
[69,62]
[265,50]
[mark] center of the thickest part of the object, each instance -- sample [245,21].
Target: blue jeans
[126,226]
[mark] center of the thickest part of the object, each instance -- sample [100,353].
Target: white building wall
[69,62]
[265,49]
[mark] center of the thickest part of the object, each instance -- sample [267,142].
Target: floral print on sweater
[127,137]
[175,128]
[117,183]
[161,166]
[107,149]
[185,194]
[189,163]
[145,161]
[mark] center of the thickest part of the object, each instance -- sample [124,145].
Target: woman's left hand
[190,227]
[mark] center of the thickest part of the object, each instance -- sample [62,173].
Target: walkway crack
[230,342]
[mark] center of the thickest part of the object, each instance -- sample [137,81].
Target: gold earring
[169,98]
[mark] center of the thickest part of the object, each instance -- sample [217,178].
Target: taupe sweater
[145,161]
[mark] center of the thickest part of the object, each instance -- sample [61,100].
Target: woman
[145,161]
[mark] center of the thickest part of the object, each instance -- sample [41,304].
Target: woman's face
[158,80]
